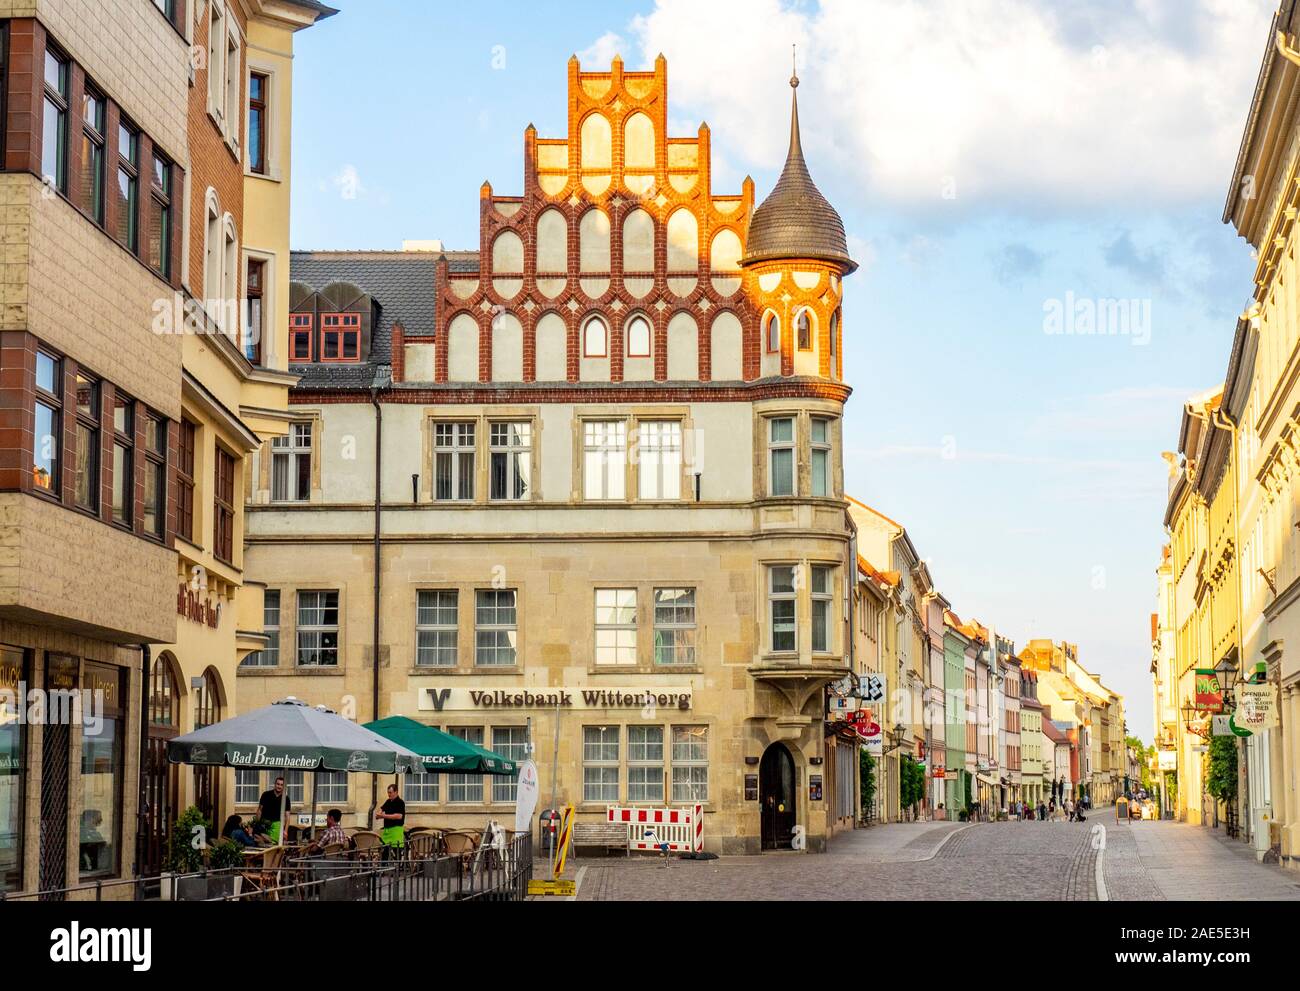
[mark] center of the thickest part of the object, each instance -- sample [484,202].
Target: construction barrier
[566,837]
[677,830]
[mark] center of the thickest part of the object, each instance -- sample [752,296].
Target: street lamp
[1225,670]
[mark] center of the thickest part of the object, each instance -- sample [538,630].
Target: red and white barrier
[681,830]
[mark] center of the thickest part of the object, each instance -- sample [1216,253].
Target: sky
[1003,168]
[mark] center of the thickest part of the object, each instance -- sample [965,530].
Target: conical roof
[796,220]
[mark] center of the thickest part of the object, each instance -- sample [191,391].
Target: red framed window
[300,336]
[340,336]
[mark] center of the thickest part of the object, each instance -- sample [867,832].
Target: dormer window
[300,336]
[340,337]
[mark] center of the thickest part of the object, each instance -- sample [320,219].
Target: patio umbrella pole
[315,786]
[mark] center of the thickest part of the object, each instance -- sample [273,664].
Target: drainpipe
[141,815]
[374,644]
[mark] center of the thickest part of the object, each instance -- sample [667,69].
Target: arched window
[835,334]
[163,695]
[803,328]
[595,339]
[638,338]
[772,333]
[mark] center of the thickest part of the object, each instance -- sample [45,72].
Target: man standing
[393,814]
[269,809]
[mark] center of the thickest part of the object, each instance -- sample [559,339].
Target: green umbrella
[441,751]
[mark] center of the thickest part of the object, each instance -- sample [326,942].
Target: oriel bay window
[123,461]
[604,459]
[781,605]
[615,626]
[437,631]
[128,182]
[54,122]
[159,255]
[155,475]
[511,460]
[495,627]
[780,456]
[453,461]
[86,484]
[291,464]
[91,181]
[318,628]
[659,459]
[821,456]
[822,603]
[48,422]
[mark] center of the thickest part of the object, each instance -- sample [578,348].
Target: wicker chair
[263,871]
[367,846]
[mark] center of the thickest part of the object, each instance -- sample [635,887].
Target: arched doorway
[776,794]
[207,780]
[161,779]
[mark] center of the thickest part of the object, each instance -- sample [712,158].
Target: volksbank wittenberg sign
[440,699]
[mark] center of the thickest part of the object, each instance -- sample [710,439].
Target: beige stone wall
[130,50]
[77,289]
[95,578]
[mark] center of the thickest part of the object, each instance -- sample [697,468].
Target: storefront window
[101,772]
[13,672]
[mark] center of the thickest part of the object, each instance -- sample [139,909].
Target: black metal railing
[489,873]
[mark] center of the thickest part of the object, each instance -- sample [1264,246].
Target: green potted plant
[185,849]
[224,857]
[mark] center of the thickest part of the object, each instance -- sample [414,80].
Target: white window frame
[268,656]
[659,460]
[317,628]
[586,338]
[438,626]
[505,788]
[774,596]
[462,788]
[271,117]
[676,626]
[774,446]
[823,600]
[290,449]
[649,790]
[687,791]
[615,643]
[459,440]
[251,779]
[596,758]
[330,787]
[516,447]
[496,628]
[823,450]
[604,462]
[639,320]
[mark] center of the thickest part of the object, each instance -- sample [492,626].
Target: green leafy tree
[867,773]
[1221,774]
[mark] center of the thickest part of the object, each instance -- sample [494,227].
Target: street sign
[1257,707]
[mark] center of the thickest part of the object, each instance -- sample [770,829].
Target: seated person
[234,830]
[333,833]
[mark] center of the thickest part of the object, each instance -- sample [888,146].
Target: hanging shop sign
[1168,760]
[938,772]
[839,708]
[1221,725]
[872,688]
[873,736]
[1209,696]
[1257,707]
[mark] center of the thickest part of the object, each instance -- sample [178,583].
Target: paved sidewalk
[1184,862]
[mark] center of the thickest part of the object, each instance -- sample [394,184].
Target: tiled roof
[400,283]
[796,220]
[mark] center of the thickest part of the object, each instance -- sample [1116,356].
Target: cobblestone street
[1052,861]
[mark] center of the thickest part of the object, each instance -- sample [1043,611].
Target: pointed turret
[796,220]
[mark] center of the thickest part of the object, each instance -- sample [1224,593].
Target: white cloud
[601,52]
[1020,102]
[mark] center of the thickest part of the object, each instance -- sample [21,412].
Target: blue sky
[989,157]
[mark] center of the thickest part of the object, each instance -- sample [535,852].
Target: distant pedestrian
[1042,810]
[1069,810]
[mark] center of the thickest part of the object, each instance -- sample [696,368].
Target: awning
[986,779]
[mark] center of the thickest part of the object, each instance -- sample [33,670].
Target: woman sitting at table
[234,830]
